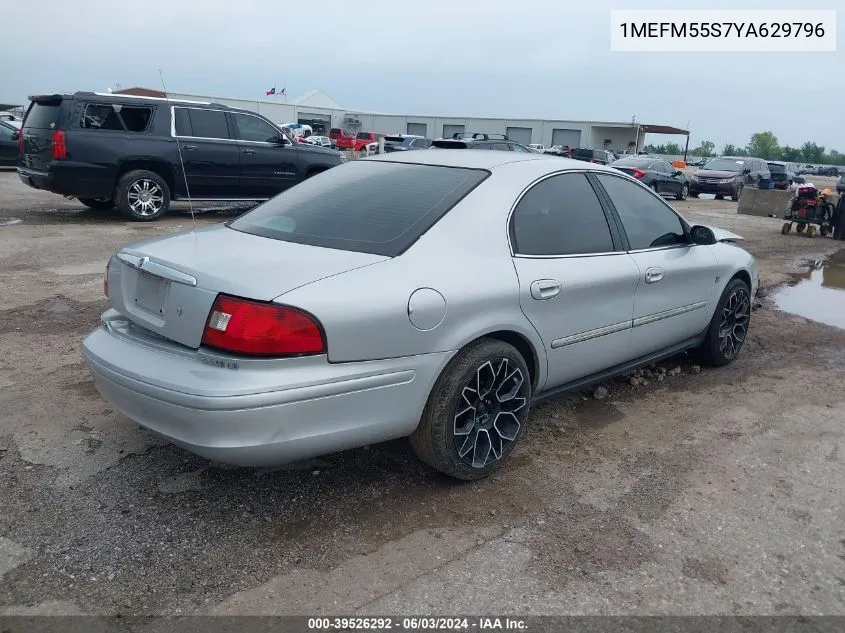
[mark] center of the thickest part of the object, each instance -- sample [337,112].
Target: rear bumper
[309,408]
[78,180]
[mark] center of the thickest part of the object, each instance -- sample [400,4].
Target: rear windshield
[374,207]
[777,169]
[363,135]
[394,139]
[634,162]
[43,116]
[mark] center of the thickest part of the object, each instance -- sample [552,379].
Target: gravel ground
[694,491]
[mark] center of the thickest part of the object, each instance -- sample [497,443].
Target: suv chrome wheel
[145,197]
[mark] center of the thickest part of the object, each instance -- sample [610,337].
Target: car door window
[7,133]
[208,123]
[560,215]
[648,221]
[251,128]
[519,148]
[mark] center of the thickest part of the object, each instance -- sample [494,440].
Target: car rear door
[268,165]
[209,153]
[576,282]
[671,181]
[677,285]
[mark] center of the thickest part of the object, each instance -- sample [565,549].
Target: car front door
[671,180]
[678,282]
[268,159]
[209,153]
[576,283]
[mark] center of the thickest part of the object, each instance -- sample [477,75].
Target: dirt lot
[719,492]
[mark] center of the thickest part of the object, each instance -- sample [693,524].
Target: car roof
[487,159]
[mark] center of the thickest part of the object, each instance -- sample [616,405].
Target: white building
[321,112]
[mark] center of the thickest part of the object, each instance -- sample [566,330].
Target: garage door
[450,130]
[418,129]
[320,123]
[562,136]
[520,135]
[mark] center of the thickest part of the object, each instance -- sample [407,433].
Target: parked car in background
[9,142]
[538,146]
[828,170]
[699,161]
[249,342]
[840,185]
[109,150]
[600,156]
[727,175]
[808,169]
[362,139]
[299,129]
[564,151]
[322,141]
[480,140]
[405,142]
[657,174]
[783,174]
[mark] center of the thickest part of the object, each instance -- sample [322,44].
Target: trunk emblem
[179,311]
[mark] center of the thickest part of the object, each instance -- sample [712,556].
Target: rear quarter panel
[465,257]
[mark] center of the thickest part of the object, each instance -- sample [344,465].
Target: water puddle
[10,221]
[819,293]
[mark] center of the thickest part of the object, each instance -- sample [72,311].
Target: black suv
[118,150]
[600,156]
[480,141]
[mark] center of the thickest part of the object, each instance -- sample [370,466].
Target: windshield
[373,207]
[726,164]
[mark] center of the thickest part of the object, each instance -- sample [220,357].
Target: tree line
[762,145]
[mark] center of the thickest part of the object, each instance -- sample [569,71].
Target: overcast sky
[525,58]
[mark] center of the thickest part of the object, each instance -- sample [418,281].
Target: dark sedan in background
[403,143]
[727,175]
[657,174]
[9,131]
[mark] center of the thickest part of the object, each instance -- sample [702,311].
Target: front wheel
[476,411]
[142,195]
[684,192]
[98,204]
[729,326]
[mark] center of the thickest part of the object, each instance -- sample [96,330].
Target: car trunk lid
[168,284]
[44,118]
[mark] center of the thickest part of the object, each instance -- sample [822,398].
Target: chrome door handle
[543,289]
[653,275]
[248,151]
[189,148]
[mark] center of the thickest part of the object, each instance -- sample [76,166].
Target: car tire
[735,196]
[98,204]
[467,434]
[728,328]
[142,195]
[683,193]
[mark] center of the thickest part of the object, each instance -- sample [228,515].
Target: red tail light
[59,145]
[636,173]
[261,329]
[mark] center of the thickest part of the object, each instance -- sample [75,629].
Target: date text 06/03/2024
[416,624]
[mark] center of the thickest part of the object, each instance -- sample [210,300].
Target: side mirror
[747,170]
[283,141]
[702,235]
[678,172]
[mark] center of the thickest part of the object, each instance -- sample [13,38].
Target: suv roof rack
[483,136]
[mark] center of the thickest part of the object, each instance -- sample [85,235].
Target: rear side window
[201,123]
[363,135]
[560,215]
[43,116]
[97,116]
[373,207]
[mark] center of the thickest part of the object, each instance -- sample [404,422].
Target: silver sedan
[435,295]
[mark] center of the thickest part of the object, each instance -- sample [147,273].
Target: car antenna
[179,150]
